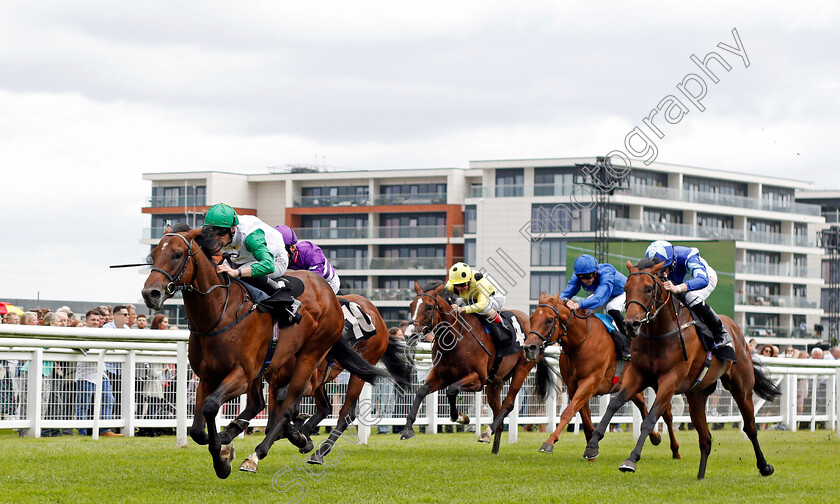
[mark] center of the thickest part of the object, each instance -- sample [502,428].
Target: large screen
[719,254]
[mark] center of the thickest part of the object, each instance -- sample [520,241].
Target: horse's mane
[432,285]
[207,245]
[646,262]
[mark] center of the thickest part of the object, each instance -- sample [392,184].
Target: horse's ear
[417,288]
[630,267]
[438,289]
[657,267]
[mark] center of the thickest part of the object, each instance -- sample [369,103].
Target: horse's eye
[179,255]
[648,289]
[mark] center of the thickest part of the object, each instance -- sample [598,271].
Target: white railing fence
[146,382]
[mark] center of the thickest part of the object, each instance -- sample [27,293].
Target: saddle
[707,338]
[277,297]
[508,337]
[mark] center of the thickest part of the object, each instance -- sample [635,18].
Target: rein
[431,326]
[174,286]
[652,310]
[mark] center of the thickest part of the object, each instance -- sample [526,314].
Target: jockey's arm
[256,245]
[601,294]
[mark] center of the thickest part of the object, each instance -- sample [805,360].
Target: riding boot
[723,346]
[622,344]
[283,306]
[618,318]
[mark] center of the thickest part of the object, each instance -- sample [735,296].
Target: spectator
[766,351]
[132,315]
[160,321]
[791,353]
[119,316]
[86,386]
[11,318]
[141,321]
[834,352]
[154,380]
[753,346]
[29,318]
[384,392]
[817,353]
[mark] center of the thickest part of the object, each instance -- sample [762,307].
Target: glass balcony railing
[332,233]
[782,270]
[669,229]
[177,201]
[332,201]
[428,263]
[411,199]
[411,232]
[355,233]
[771,300]
[651,192]
[405,295]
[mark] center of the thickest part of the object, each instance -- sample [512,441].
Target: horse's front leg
[631,385]
[255,403]
[345,418]
[520,374]
[586,388]
[197,432]
[665,391]
[433,383]
[233,385]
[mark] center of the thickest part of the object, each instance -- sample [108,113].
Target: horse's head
[645,294]
[548,325]
[173,266]
[426,307]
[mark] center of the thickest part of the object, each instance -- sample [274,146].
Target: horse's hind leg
[668,416]
[743,398]
[632,384]
[697,410]
[452,396]
[519,377]
[667,386]
[345,418]
[581,395]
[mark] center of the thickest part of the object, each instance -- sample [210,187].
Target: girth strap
[703,371]
[272,346]
[619,370]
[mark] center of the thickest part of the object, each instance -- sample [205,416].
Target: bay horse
[463,355]
[588,365]
[669,357]
[379,346]
[229,340]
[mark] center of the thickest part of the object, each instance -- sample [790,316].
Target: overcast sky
[93,94]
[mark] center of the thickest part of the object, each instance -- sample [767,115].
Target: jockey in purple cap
[305,255]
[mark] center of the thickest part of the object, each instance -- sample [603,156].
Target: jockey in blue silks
[606,286]
[685,261]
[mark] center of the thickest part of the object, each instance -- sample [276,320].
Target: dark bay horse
[230,339]
[379,346]
[662,362]
[463,355]
[589,366]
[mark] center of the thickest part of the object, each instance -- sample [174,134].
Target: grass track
[440,468]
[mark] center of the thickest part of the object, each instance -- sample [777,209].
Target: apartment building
[385,229]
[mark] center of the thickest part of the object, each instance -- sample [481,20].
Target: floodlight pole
[830,241]
[603,182]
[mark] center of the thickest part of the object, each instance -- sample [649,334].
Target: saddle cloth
[510,343]
[357,324]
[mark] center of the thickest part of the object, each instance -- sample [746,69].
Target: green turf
[439,468]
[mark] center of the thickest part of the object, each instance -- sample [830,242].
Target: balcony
[775,301]
[651,192]
[332,201]
[708,233]
[332,233]
[177,201]
[359,233]
[414,263]
[411,231]
[781,270]
[411,199]
[382,294]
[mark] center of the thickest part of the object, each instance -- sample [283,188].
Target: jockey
[305,255]
[606,287]
[254,250]
[679,262]
[480,295]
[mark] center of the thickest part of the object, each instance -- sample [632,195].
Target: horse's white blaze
[417,308]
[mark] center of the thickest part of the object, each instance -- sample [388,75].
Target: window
[470,219]
[353,285]
[800,291]
[346,257]
[712,186]
[548,252]
[663,216]
[431,225]
[414,193]
[554,181]
[550,283]
[777,196]
[469,251]
[334,195]
[764,226]
[645,178]
[510,182]
[318,227]
[758,257]
[561,219]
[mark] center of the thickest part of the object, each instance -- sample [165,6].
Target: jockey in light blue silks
[684,261]
[606,286]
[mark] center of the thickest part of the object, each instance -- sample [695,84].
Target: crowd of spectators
[67,388]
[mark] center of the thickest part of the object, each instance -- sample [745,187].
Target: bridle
[174,286]
[427,327]
[656,304]
[557,322]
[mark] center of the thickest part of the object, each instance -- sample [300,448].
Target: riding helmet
[460,273]
[289,236]
[221,215]
[585,264]
[661,251]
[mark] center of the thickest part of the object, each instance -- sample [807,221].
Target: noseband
[427,327]
[652,308]
[547,340]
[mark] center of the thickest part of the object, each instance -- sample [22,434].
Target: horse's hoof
[250,463]
[655,438]
[627,466]
[548,448]
[766,470]
[591,453]
[222,469]
[227,452]
[463,419]
[677,456]
[316,459]
[307,447]
[484,438]
[406,434]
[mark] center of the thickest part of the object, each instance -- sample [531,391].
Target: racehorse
[589,366]
[463,354]
[669,357]
[379,346]
[229,340]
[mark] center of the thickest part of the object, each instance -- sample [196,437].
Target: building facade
[383,230]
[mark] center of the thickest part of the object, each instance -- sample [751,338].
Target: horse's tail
[397,362]
[545,384]
[354,363]
[764,386]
